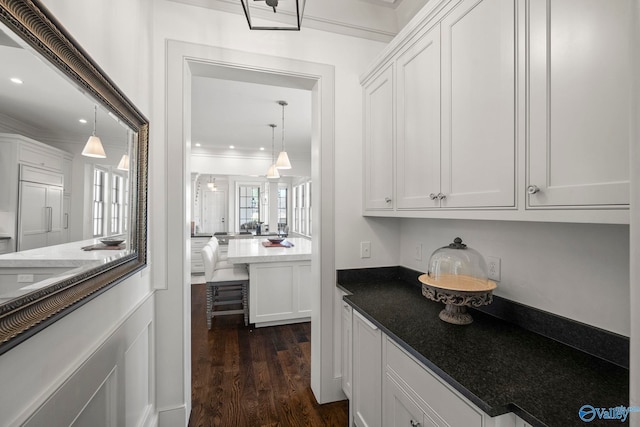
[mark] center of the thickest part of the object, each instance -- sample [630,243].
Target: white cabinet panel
[478,105]
[279,292]
[400,410]
[40,156]
[40,215]
[379,141]
[367,373]
[347,349]
[579,102]
[418,123]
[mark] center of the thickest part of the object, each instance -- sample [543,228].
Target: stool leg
[245,304]
[209,304]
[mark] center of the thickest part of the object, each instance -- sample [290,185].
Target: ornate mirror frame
[24,316]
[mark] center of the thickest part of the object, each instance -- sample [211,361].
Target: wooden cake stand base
[457,292]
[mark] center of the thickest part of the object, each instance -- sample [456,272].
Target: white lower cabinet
[367,366]
[347,350]
[197,263]
[391,388]
[279,292]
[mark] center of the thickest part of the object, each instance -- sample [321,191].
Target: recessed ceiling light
[232,146]
[16,80]
[261,148]
[83,121]
[198,144]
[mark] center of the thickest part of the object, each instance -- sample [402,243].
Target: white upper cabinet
[418,123]
[503,110]
[478,105]
[379,141]
[579,103]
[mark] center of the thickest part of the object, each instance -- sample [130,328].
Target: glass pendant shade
[94,148]
[283,161]
[124,163]
[272,173]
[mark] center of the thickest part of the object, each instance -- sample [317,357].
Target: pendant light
[289,16]
[124,163]
[93,147]
[283,159]
[272,173]
[211,185]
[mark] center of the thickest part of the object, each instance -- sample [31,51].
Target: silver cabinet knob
[433,196]
[387,199]
[442,196]
[532,189]
[414,423]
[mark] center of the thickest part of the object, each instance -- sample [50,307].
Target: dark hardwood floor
[243,376]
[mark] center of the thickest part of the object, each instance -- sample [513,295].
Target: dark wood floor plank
[244,376]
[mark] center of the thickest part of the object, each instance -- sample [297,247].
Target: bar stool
[219,284]
[221,262]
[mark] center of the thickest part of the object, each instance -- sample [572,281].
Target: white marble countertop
[247,251]
[66,255]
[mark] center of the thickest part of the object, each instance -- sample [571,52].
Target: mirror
[71,226]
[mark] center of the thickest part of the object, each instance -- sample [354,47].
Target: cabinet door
[347,341]
[367,373]
[33,224]
[400,410]
[478,104]
[379,142]
[418,123]
[55,205]
[579,102]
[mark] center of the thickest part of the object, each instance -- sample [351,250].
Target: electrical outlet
[418,252]
[493,268]
[365,249]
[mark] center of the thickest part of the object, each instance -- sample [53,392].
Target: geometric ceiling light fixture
[93,147]
[283,158]
[287,12]
[272,173]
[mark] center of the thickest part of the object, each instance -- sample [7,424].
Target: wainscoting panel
[114,386]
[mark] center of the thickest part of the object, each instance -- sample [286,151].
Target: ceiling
[238,113]
[47,106]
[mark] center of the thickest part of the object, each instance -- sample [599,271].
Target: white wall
[579,271]
[108,331]
[634,299]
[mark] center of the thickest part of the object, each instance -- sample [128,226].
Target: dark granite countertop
[499,366]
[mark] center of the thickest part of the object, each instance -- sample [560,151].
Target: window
[99,178]
[117,204]
[302,208]
[248,206]
[283,193]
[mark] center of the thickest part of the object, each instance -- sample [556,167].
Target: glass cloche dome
[458,267]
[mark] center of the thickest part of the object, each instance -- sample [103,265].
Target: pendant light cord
[95,119]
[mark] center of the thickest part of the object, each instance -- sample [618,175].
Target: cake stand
[457,292]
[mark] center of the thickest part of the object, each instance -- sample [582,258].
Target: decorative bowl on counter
[276,240]
[457,276]
[110,241]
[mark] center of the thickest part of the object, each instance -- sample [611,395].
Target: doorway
[186,60]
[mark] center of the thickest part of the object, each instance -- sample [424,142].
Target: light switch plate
[493,268]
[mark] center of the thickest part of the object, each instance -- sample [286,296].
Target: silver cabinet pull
[414,423]
[433,196]
[442,196]
[66,221]
[532,189]
[387,199]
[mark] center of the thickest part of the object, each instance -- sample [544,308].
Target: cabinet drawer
[198,244]
[197,266]
[446,403]
[40,157]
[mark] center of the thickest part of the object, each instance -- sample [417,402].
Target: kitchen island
[279,279]
[25,271]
